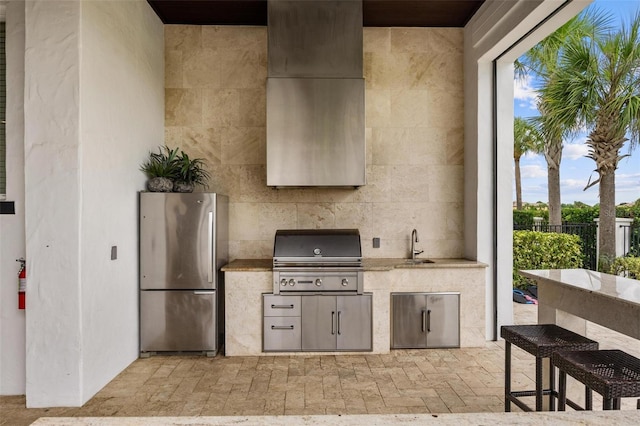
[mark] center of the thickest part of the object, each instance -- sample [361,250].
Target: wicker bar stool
[614,374]
[540,341]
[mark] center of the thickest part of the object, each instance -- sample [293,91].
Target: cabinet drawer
[281,306]
[281,334]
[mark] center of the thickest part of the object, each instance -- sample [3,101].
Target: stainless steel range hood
[315,94]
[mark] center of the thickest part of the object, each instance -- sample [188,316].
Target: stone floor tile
[404,401]
[419,391]
[450,398]
[436,405]
[418,410]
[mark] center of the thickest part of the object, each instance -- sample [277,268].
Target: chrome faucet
[414,239]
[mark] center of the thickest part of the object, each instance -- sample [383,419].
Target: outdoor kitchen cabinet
[425,320]
[337,323]
[281,322]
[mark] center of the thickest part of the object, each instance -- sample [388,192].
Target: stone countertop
[368,264]
[626,290]
[559,418]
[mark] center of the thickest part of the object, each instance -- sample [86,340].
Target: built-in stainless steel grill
[317,261]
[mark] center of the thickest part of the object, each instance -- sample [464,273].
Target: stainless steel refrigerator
[183,244]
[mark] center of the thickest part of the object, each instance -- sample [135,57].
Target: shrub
[580,214]
[540,250]
[523,218]
[627,266]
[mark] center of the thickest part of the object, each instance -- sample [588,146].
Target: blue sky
[575,169]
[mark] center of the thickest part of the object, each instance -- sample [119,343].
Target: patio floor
[466,380]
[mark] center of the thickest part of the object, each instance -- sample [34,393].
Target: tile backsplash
[215,108]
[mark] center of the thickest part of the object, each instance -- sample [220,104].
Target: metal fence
[586,231]
[631,239]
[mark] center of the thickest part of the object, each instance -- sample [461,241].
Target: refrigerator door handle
[210,241]
[203,292]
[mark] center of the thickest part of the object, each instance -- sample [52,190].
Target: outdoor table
[571,297]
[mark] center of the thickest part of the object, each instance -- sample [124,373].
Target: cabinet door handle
[429,321]
[339,312]
[424,320]
[282,327]
[281,306]
[333,322]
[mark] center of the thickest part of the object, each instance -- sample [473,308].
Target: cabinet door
[281,334]
[354,323]
[409,321]
[319,323]
[443,320]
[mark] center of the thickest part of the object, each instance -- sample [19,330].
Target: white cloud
[568,184]
[523,91]
[628,186]
[573,151]
[533,171]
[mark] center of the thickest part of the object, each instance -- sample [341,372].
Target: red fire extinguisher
[22,280]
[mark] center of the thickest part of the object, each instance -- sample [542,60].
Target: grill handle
[339,312]
[333,322]
[424,320]
[428,320]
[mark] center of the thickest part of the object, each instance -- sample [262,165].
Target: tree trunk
[555,207]
[607,223]
[518,185]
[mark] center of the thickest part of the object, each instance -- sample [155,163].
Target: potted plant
[162,169]
[190,172]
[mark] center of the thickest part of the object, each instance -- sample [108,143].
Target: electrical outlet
[114,252]
[376,242]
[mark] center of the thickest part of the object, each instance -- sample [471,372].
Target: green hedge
[542,250]
[523,217]
[580,215]
[629,265]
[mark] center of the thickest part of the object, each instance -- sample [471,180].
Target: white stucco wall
[12,242]
[493,30]
[122,119]
[52,205]
[94,107]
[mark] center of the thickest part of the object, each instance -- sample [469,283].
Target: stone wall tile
[216,109]
[260,221]
[243,69]
[446,183]
[316,215]
[244,145]
[173,69]
[376,40]
[182,37]
[253,107]
[225,37]
[201,69]
[221,107]
[183,107]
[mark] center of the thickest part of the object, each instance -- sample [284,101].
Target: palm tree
[597,85]
[526,138]
[543,60]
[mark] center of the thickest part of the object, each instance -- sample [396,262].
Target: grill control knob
[318,282]
[292,282]
[345,282]
[283,282]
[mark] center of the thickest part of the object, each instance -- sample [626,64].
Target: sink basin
[418,261]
